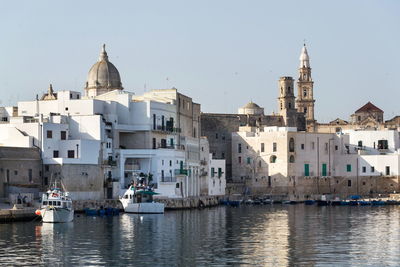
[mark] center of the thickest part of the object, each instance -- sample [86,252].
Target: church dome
[251,108]
[251,104]
[103,76]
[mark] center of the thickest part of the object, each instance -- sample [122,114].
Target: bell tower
[286,101]
[305,85]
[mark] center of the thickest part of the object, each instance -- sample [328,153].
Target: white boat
[56,207]
[140,200]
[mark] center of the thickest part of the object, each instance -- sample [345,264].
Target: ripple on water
[275,235]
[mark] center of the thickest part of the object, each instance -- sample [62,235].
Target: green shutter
[306,169]
[324,169]
[348,167]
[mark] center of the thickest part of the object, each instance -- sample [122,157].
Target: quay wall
[300,188]
[170,203]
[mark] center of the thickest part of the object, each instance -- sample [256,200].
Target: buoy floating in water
[38,213]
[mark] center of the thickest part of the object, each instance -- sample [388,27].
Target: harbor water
[265,235]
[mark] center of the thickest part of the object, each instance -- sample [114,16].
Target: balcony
[168,179]
[181,172]
[167,129]
[177,147]
[110,162]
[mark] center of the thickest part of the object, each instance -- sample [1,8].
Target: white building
[277,158]
[102,141]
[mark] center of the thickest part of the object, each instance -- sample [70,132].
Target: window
[162,175]
[324,172]
[15,172]
[30,175]
[312,145]
[291,159]
[306,169]
[239,148]
[240,160]
[383,144]
[364,169]
[55,154]
[360,143]
[259,164]
[154,143]
[326,147]
[170,163]
[46,180]
[336,147]
[304,92]
[71,154]
[269,181]
[63,135]
[262,147]
[387,170]
[281,105]
[302,146]
[248,160]
[219,173]
[272,159]
[46,168]
[223,155]
[154,122]
[216,135]
[291,145]
[177,185]
[372,169]
[212,172]
[194,132]
[349,183]
[305,110]
[163,143]
[274,147]
[8,176]
[162,162]
[348,167]
[359,118]
[290,105]
[49,134]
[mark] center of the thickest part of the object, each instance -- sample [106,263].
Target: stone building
[20,171]
[299,113]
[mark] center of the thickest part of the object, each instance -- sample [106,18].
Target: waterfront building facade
[101,141]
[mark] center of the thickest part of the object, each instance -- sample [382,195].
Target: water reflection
[250,235]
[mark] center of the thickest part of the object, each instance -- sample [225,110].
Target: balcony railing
[110,162]
[168,179]
[181,172]
[178,147]
[167,129]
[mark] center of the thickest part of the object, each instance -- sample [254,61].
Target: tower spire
[305,85]
[103,53]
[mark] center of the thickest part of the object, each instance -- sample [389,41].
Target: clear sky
[221,53]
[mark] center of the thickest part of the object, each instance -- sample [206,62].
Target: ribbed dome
[103,75]
[251,105]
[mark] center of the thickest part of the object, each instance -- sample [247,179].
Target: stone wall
[301,188]
[20,170]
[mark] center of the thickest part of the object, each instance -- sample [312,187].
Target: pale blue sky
[221,53]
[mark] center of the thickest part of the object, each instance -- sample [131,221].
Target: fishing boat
[139,199]
[56,206]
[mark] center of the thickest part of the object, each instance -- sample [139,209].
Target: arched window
[291,145]
[272,159]
[290,105]
[259,164]
[291,159]
[304,92]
